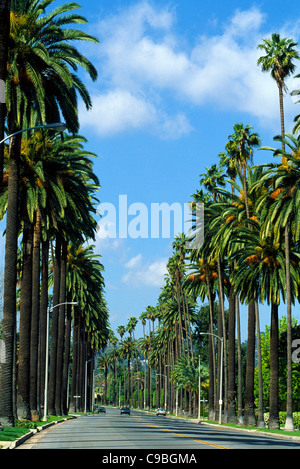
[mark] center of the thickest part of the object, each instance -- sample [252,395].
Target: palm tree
[127,351]
[130,328]
[121,331]
[213,181]
[85,285]
[186,375]
[278,60]
[281,208]
[261,272]
[203,283]
[243,142]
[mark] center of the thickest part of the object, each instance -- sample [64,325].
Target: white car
[160,412]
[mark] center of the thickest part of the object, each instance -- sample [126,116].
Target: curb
[14,444]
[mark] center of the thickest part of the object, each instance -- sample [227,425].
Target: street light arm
[210,333]
[59,126]
[65,303]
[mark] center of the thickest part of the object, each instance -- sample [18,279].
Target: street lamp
[58,126]
[49,310]
[221,377]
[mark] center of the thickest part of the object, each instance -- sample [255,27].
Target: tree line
[250,256]
[48,199]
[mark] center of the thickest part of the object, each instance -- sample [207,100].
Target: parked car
[160,411]
[125,410]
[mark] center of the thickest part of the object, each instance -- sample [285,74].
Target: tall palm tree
[121,331]
[280,54]
[243,143]
[85,285]
[281,208]
[261,272]
[278,60]
[127,351]
[213,181]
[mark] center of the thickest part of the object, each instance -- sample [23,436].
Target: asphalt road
[140,430]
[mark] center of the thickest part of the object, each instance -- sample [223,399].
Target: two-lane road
[141,430]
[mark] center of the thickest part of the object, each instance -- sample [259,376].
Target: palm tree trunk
[73,399]
[211,356]
[61,331]
[35,317]
[54,328]
[43,314]
[239,360]
[245,189]
[274,371]
[23,392]
[249,419]
[128,378]
[10,277]
[289,424]
[223,334]
[231,359]
[65,376]
[281,108]
[260,418]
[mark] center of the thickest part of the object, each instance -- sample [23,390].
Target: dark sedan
[125,410]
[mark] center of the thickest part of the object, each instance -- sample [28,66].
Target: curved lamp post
[221,377]
[58,126]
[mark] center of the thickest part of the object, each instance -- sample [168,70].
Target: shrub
[282,416]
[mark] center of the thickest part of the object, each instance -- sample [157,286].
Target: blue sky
[174,77]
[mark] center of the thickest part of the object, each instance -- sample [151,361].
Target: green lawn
[23,427]
[12,433]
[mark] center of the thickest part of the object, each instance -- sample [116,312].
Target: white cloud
[120,111]
[134,262]
[117,111]
[144,274]
[143,63]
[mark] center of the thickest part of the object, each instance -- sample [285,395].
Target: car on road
[101,410]
[125,410]
[160,411]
